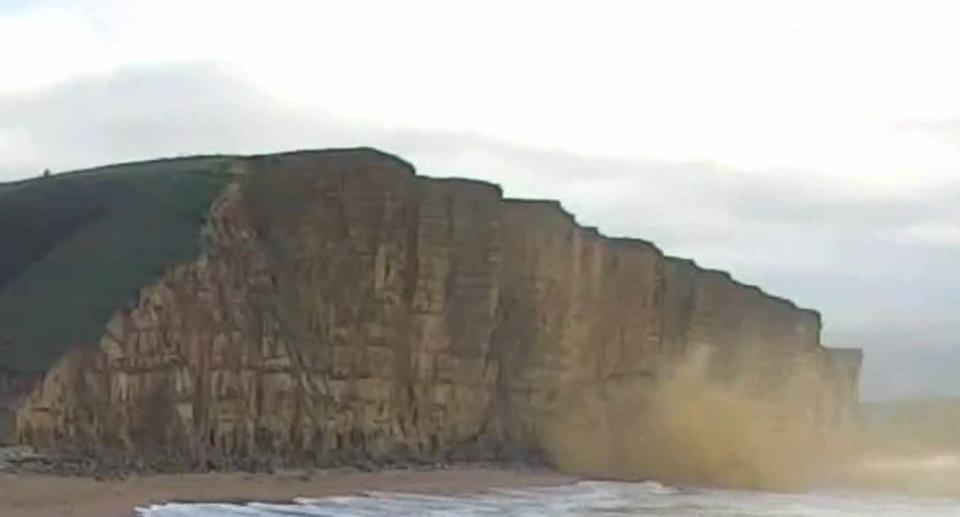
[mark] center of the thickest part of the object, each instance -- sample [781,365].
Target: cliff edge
[342,309]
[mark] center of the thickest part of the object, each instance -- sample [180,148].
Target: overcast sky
[812,148]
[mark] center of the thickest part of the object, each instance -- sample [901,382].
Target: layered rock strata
[14,385]
[345,309]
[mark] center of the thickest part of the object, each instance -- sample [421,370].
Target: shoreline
[40,494]
[46,495]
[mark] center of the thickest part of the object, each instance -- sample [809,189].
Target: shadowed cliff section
[342,309]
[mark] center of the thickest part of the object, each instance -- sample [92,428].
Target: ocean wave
[587,498]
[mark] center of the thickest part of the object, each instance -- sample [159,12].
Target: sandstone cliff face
[13,386]
[841,394]
[344,309]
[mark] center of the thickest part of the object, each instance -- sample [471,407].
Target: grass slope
[74,247]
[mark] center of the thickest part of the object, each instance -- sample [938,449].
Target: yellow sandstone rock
[345,309]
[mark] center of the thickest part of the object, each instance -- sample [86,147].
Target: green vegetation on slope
[75,247]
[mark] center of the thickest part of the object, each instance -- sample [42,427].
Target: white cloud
[44,46]
[941,233]
[814,86]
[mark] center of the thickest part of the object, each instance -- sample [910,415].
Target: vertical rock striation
[346,310]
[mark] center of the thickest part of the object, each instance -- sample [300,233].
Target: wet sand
[31,495]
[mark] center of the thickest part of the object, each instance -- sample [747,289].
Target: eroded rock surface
[346,310]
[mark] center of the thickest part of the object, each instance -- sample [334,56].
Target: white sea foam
[589,498]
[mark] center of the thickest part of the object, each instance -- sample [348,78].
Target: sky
[812,148]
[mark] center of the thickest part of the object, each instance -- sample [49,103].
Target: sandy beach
[31,495]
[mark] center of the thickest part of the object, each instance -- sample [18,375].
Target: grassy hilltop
[76,246]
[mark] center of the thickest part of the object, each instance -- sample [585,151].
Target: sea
[587,498]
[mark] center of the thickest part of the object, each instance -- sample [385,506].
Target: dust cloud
[711,420]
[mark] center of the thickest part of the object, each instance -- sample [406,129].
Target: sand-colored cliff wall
[13,386]
[347,310]
[840,405]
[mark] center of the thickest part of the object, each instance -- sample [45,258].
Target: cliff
[343,309]
[74,247]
